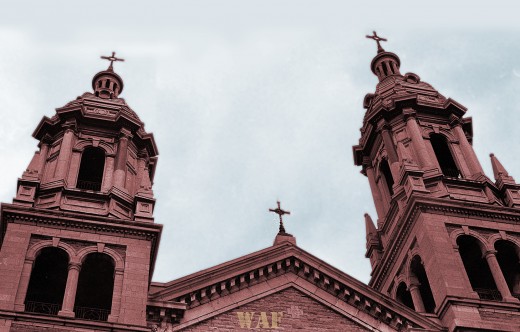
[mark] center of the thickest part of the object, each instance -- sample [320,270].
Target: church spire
[385,63]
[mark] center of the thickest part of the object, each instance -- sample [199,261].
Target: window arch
[417,270]
[477,269]
[384,167]
[95,287]
[444,156]
[508,260]
[91,169]
[403,296]
[47,283]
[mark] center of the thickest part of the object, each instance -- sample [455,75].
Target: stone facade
[286,310]
[79,242]
[446,241]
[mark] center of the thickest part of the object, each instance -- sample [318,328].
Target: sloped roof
[221,288]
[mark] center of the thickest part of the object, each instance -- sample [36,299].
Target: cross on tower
[378,40]
[280,213]
[111,58]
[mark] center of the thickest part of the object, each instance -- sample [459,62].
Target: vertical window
[95,288]
[387,174]
[444,156]
[91,169]
[417,269]
[403,296]
[477,269]
[47,283]
[508,260]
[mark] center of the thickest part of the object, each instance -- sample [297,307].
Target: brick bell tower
[447,238]
[78,243]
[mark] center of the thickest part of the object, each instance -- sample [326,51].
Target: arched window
[47,283]
[91,169]
[477,269]
[95,287]
[417,270]
[403,296]
[387,174]
[508,260]
[444,156]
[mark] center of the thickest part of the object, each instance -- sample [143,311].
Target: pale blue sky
[253,101]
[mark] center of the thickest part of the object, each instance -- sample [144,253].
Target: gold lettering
[276,319]
[262,321]
[245,319]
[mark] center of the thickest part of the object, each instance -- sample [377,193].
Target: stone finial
[499,171]
[371,230]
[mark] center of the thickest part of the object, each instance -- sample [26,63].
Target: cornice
[15,213]
[236,275]
[422,203]
[10,213]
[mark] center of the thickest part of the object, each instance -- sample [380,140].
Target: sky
[254,101]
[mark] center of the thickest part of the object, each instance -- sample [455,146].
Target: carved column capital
[454,120]
[382,125]
[409,113]
[125,133]
[490,253]
[74,265]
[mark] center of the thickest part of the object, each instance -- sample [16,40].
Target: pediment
[233,285]
[289,308]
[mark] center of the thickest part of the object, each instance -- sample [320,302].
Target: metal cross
[377,39]
[280,213]
[111,58]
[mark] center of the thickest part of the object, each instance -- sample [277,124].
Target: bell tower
[447,238]
[79,240]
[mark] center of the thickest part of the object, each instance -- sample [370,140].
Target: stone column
[23,285]
[44,149]
[121,159]
[65,154]
[67,309]
[496,271]
[417,139]
[375,192]
[469,154]
[116,296]
[416,297]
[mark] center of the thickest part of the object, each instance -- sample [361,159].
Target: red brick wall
[299,313]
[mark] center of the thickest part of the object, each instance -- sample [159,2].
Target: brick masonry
[299,313]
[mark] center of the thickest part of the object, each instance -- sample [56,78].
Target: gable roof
[275,268]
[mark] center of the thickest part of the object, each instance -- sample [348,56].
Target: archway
[477,269]
[47,283]
[509,264]
[95,287]
[91,169]
[403,296]
[418,271]
[444,156]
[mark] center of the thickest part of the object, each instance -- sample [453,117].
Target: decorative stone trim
[397,239]
[374,308]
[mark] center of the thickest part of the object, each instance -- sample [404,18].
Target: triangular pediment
[282,269]
[290,308]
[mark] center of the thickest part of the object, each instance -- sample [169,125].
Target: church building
[79,240]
